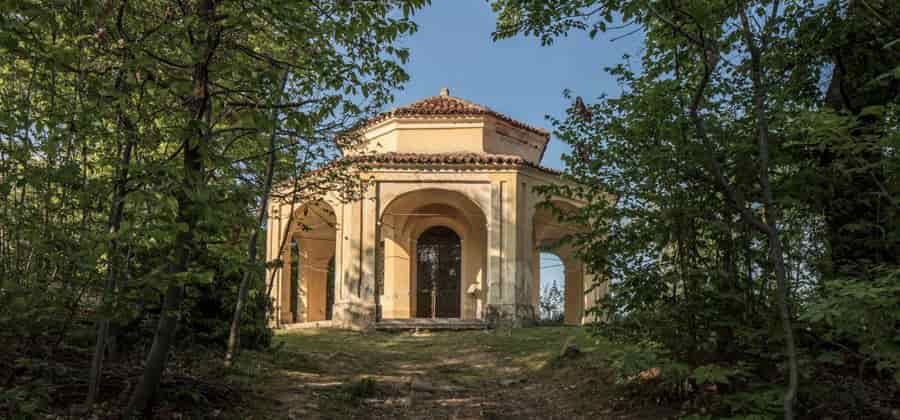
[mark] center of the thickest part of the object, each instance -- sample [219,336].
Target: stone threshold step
[429,324]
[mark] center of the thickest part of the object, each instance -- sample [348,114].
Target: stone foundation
[509,315]
[354,316]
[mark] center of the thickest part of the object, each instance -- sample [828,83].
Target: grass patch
[340,374]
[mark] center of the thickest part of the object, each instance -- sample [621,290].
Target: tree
[234,328]
[710,152]
[551,303]
[857,203]
[164,112]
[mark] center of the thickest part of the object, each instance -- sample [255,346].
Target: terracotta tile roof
[395,159]
[453,158]
[446,105]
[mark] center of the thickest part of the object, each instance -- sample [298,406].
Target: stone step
[309,325]
[429,324]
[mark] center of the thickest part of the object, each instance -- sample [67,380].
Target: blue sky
[517,77]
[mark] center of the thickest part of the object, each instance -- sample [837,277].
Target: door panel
[438,273]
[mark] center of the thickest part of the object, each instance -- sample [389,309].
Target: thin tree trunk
[112,273]
[113,268]
[300,168]
[776,254]
[735,197]
[234,331]
[159,351]
[194,148]
[281,244]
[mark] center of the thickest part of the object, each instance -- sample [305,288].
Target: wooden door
[438,275]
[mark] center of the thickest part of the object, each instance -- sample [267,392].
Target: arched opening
[410,223]
[308,286]
[552,297]
[439,257]
[550,233]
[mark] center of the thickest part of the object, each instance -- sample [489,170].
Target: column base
[354,315]
[510,315]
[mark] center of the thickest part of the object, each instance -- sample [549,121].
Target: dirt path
[330,374]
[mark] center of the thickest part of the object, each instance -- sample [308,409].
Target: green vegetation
[743,197]
[471,374]
[139,141]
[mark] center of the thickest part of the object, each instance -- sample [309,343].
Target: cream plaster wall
[479,134]
[431,140]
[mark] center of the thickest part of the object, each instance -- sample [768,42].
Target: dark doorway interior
[439,254]
[329,290]
[297,312]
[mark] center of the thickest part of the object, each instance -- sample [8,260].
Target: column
[369,262]
[593,297]
[391,301]
[574,290]
[493,266]
[284,285]
[526,277]
[508,283]
[346,264]
[273,229]
[356,309]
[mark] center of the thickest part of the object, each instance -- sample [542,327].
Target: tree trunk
[234,331]
[156,359]
[116,212]
[776,254]
[112,272]
[734,196]
[856,197]
[189,203]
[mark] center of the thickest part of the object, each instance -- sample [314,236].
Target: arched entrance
[308,289]
[433,239]
[550,229]
[439,257]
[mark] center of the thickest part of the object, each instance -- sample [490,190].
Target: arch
[451,196]
[549,233]
[548,227]
[403,220]
[306,281]
[427,201]
[417,228]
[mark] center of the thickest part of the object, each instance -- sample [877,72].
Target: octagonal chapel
[449,228]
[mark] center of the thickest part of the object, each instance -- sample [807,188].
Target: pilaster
[508,299]
[357,305]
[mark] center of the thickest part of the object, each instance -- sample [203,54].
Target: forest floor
[511,374]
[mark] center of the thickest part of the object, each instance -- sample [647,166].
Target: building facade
[447,225]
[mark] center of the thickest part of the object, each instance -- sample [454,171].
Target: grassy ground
[518,374]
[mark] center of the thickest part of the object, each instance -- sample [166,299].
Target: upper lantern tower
[447,124]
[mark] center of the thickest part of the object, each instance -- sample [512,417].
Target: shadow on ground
[517,374]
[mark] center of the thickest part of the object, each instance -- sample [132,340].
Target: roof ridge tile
[446,105]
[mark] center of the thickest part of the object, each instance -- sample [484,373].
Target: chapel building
[448,226]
